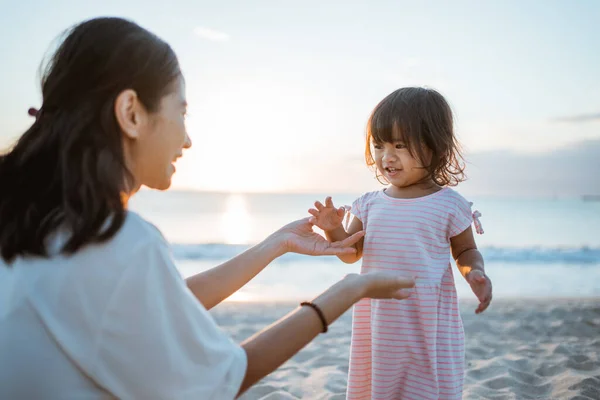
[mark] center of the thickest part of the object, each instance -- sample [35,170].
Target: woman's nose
[188,142]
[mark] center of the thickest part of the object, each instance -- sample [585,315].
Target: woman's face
[158,140]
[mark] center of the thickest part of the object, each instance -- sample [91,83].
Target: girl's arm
[470,264]
[340,234]
[466,254]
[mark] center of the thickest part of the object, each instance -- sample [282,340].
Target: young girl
[412,349]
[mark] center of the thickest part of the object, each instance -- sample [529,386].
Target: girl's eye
[377,146]
[400,146]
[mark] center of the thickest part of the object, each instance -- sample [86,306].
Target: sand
[517,349]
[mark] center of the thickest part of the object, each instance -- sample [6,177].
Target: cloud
[579,118]
[211,34]
[567,171]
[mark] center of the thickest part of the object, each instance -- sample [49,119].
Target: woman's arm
[267,350]
[215,285]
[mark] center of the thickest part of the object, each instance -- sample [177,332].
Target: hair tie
[33,112]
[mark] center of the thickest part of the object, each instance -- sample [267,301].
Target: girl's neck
[413,191]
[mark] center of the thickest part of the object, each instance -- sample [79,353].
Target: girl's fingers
[328,202]
[484,305]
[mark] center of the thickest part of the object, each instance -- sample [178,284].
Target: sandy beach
[517,349]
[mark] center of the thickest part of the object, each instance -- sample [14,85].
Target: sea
[533,247]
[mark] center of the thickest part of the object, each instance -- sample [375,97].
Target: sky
[280,91]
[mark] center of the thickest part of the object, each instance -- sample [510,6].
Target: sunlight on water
[236,221]
[240,296]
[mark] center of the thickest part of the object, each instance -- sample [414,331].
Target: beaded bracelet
[319,313]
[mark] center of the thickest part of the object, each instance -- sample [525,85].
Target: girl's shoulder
[366,199]
[369,195]
[454,196]
[360,207]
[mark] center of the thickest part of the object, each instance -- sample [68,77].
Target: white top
[113,320]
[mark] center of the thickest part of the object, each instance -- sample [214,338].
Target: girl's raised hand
[327,217]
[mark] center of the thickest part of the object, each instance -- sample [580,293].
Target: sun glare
[245,136]
[240,297]
[236,221]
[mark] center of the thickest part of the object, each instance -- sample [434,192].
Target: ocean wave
[528,255]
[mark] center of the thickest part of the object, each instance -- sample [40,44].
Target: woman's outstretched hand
[299,237]
[382,285]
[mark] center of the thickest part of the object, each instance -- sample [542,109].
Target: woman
[91,304]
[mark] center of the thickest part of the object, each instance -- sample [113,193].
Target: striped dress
[414,348]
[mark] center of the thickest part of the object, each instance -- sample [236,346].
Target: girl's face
[397,165]
[159,140]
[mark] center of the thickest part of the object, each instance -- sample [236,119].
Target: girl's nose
[389,155]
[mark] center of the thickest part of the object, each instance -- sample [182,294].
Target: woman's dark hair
[68,170]
[422,119]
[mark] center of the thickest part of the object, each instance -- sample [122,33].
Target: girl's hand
[299,237]
[327,217]
[482,288]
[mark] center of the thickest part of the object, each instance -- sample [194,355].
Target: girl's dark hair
[68,170]
[422,119]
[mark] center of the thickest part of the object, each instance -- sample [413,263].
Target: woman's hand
[381,285]
[299,237]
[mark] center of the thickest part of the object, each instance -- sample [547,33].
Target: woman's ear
[130,113]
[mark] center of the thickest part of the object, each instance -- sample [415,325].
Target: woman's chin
[162,184]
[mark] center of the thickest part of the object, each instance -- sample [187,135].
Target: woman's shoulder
[136,229]
[136,236]
[135,232]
